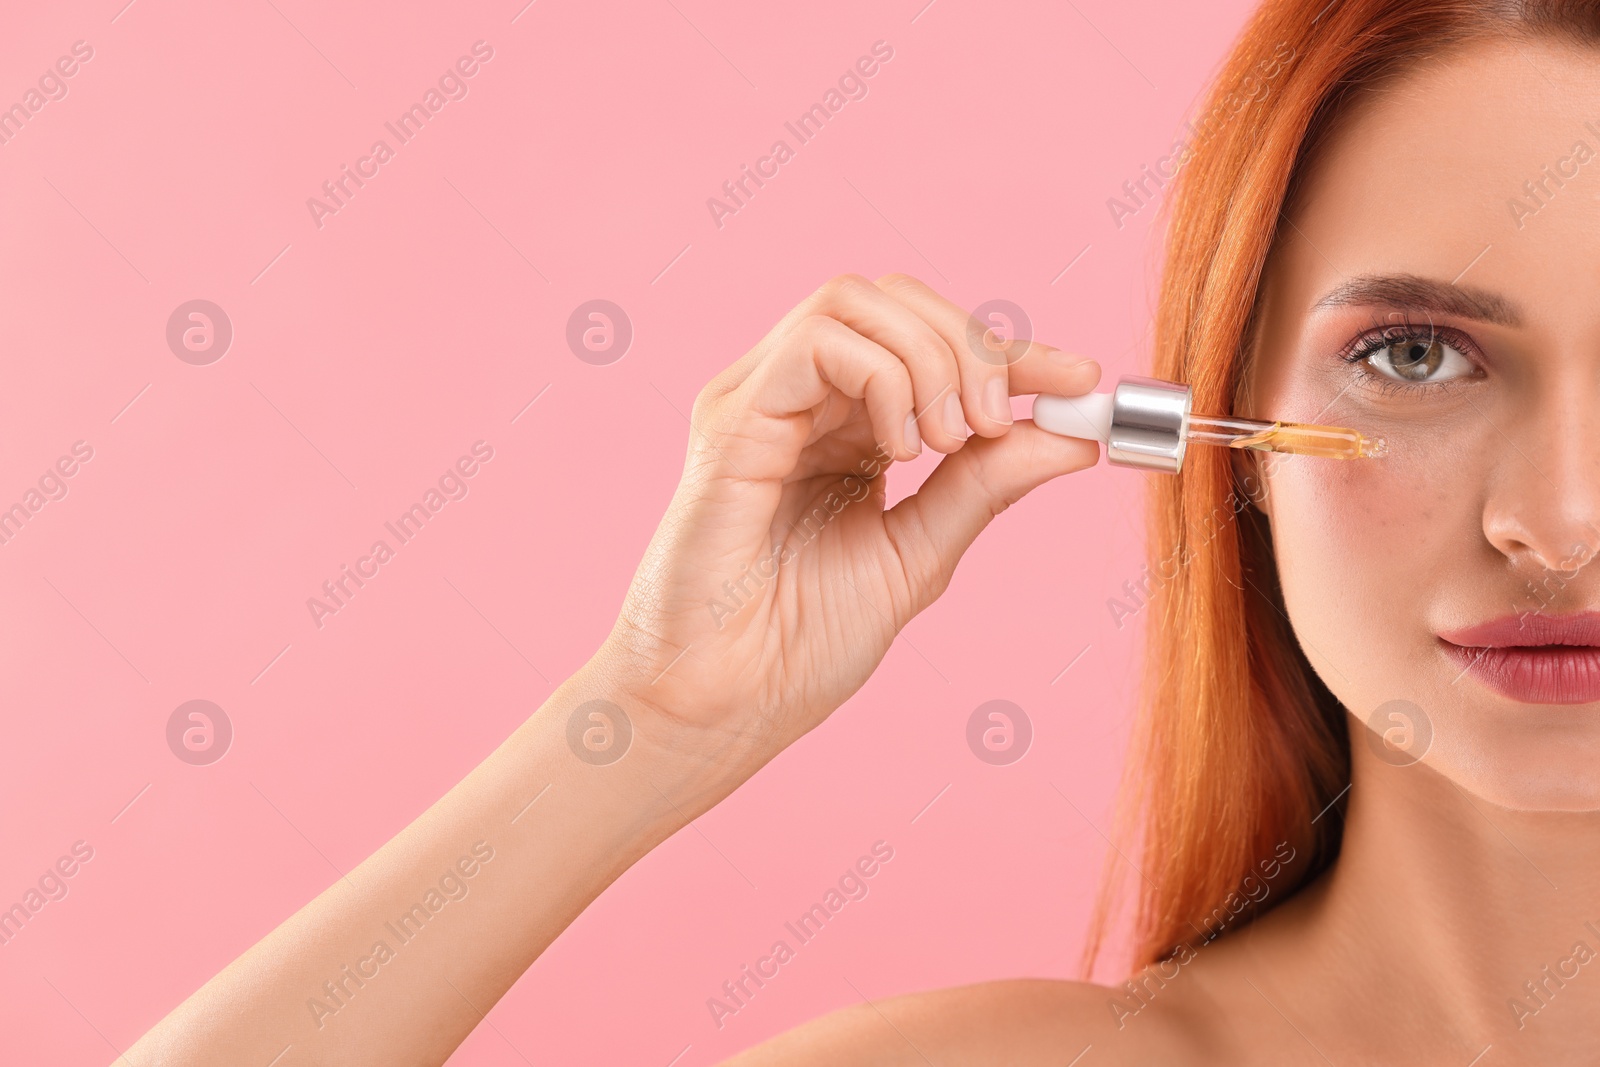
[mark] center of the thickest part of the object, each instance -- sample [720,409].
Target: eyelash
[1382,336]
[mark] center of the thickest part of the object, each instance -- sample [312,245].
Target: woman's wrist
[615,734]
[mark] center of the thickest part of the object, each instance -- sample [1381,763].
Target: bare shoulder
[1017,1022]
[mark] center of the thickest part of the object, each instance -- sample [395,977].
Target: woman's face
[1438,283]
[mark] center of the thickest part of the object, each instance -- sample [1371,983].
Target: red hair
[1239,746]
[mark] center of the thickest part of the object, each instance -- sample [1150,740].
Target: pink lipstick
[1533,658]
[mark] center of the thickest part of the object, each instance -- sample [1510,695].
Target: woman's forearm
[397,962]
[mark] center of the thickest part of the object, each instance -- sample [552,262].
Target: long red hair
[1239,747]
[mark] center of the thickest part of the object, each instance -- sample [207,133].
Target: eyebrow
[1411,292]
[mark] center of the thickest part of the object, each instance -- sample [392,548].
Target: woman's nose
[1543,504]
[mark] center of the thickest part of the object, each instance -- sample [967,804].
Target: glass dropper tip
[1332,442]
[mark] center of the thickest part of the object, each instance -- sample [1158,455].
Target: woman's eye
[1419,359]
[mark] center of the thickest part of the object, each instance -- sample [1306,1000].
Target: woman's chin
[1526,769]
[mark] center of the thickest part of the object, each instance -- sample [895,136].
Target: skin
[1463,874]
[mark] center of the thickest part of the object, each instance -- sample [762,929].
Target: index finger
[1028,366]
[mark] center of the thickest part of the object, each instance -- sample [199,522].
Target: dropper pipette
[1148,423]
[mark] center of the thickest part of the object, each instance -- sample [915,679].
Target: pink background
[370,353]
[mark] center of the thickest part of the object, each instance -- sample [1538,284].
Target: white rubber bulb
[1087,416]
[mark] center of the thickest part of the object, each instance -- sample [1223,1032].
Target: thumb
[969,487]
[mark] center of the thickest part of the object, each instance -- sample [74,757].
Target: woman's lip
[1542,674]
[1529,629]
[1533,657]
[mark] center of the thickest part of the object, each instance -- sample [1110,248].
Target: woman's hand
[724,658]
[777,580]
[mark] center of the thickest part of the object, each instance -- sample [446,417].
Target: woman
[1366,784]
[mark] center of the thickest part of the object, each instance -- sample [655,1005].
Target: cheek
[1369,550]
[1363,550]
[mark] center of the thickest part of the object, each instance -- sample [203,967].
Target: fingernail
[954,424]
[1081,376]
[1069,361]
[913,438]
[996,401]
